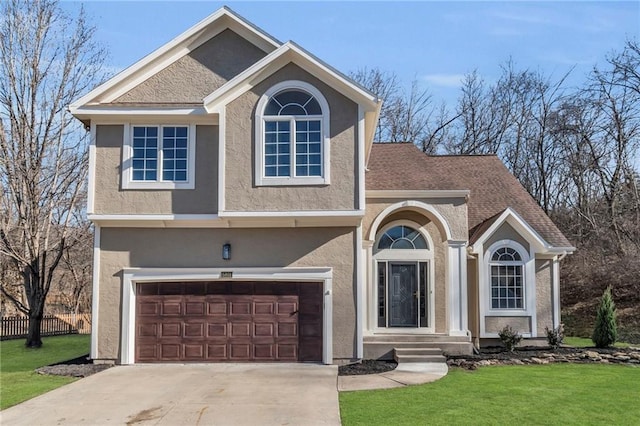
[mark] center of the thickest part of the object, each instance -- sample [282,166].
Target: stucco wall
[184,248]
[519,324]
[544,295]
[194,76]
[109,198]
[454,211]
[242,195]
[506,232]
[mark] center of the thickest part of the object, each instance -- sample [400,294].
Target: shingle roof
[402,166]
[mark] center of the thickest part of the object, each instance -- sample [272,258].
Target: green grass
[583,342]
[545,394]
[19,381]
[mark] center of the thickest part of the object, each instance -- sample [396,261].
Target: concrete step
[399,337]
[404,355]
[419,358]
[418,351]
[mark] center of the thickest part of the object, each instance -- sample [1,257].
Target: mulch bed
[77,367]
[367,366]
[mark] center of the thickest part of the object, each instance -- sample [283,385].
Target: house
[242,213]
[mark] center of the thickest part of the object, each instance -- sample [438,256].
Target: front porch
[383,346]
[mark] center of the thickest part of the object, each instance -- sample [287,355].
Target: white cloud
[444,80]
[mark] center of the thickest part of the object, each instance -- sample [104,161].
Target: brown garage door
[228,321]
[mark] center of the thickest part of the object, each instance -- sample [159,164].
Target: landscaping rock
[541,356]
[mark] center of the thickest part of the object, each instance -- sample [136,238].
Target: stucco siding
[202,248]
[453,210]
[506,232]
[544,295]
[240,192]
[194,76]
[519,324]
[110,198]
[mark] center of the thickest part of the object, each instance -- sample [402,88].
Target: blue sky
[433,42]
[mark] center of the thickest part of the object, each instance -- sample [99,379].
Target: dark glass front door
[403,291]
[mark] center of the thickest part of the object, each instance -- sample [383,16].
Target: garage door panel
[194,351]
[217,329]
[171,308]
[194,329]
[263,329]
[239,351]
[240,329]
[217,352]
[147,330]
[248,322]
[194,308]
[217,308]
[240,307]
[287,352]
[171,351]
[287,329]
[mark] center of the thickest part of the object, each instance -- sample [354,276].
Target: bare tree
[406,115]
[47,59]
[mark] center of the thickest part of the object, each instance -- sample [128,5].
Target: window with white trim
[159,157]
[292,136]
[507,279]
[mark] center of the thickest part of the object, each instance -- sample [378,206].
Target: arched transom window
[292,136]
[507,279]
[402,237]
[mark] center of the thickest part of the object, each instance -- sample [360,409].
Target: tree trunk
[35,320]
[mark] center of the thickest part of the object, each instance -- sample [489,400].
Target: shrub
[605,332]
[555,336]
[509,338]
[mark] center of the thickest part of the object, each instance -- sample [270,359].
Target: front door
[403,292]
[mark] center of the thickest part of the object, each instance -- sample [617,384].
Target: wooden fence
[53,325]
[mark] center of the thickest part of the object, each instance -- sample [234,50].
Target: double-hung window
[159,156]
[507,279]
[292,137]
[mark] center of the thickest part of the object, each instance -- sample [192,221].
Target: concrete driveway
[180,394]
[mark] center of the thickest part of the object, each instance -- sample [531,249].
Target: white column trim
[360,291]
[361,163]
[222,126]
[91,182]
[133,276]
[95,293]
[556,292]
[458,310]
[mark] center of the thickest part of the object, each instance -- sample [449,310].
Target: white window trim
[127,159]
[529,289]
[399,255]
[260,178]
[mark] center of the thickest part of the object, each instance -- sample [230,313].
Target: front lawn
[18,379]
[544,394]
[583,342]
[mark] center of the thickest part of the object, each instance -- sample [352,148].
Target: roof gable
[177,48]
[289,52]
[492,187]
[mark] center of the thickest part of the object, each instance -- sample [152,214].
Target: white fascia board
[178,47]
[521,226]
[268,65]
[231,219]
[410,194]
[293,214]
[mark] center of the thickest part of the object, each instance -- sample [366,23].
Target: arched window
[507,279]
[293,148]
[402,237]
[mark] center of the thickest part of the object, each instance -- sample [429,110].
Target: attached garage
[228,321]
